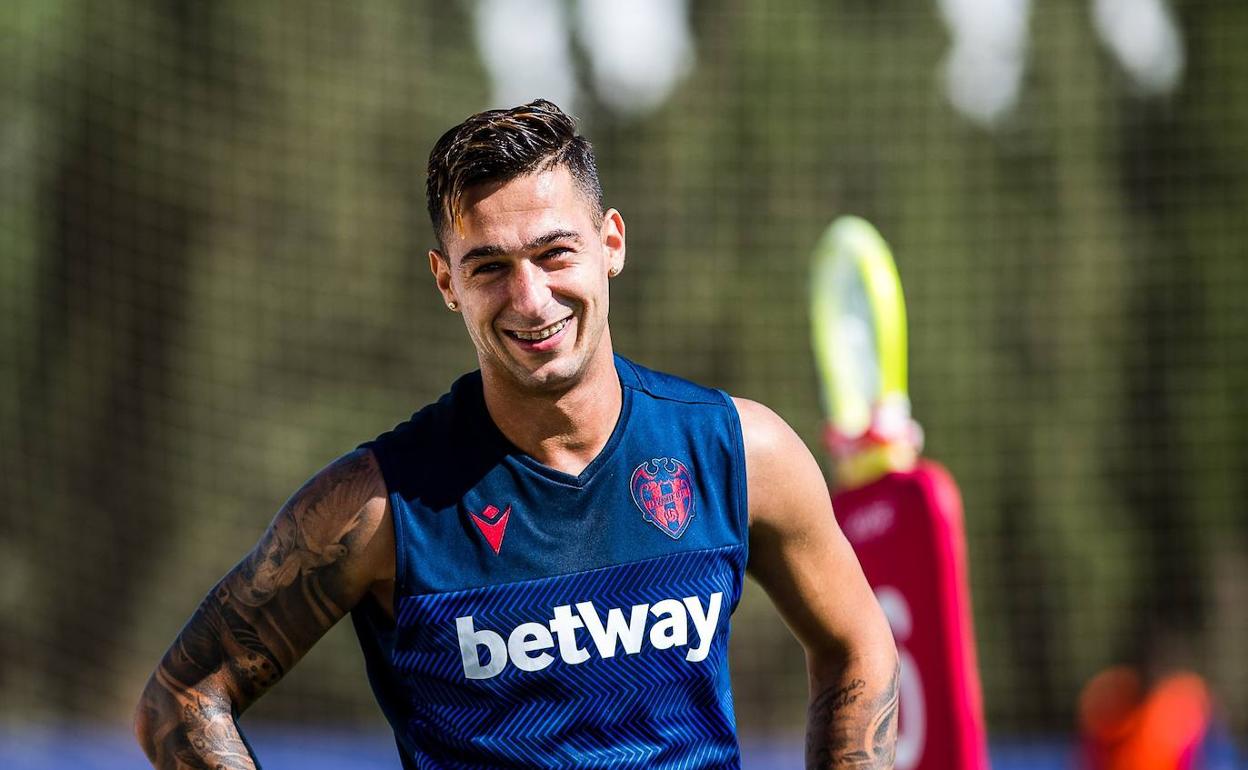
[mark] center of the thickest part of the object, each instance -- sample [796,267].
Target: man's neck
[564,430]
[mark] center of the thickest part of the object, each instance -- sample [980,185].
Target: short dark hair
[500,145]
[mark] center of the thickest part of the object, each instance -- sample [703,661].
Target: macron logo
[493,525]
[528,645]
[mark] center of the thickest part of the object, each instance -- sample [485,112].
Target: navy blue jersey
[543,619]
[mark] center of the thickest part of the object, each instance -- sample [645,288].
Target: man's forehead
[529,191]
[512,213]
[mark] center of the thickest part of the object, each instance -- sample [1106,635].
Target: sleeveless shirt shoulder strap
[419,449]
[665,386]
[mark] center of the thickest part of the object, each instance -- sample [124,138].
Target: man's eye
[487,267]
[557,251]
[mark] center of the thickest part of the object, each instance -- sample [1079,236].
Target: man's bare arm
[800,557]
[326,547]
[846,729]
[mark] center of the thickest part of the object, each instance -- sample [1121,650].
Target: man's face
[528,266]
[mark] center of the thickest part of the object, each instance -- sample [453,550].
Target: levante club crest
[663,490]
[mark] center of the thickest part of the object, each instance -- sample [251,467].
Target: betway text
[666,624]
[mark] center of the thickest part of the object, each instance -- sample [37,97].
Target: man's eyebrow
[481,252]
[490,251]
[551,237]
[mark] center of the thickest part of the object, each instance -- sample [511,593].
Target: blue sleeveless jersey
[549,620]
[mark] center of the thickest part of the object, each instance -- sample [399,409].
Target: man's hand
[328,545]
[800,557]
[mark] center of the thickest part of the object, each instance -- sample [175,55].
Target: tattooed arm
[328,545]
[800,557]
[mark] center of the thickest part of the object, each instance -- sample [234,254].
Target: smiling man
[541,566]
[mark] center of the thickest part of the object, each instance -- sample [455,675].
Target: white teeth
[542,333]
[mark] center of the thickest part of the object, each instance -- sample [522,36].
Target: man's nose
[530,292]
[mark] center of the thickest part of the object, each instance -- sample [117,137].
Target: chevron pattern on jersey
[634,675]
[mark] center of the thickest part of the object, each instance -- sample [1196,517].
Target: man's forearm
[308,569]
[852,720]
[189,728]
[186,715]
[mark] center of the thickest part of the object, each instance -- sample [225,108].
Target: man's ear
[612,235]
[440,266]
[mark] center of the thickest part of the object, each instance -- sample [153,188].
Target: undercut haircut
[497,146]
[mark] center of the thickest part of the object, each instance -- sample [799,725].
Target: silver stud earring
[613,272]
[453,305]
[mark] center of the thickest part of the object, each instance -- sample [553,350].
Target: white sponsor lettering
[527,638]
[615,631]
[564,627]
[528,647]
[470,639]
[704,622]
[672,628]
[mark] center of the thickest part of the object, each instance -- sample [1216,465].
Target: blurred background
[213,281]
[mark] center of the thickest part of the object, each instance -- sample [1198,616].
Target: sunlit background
[213,281]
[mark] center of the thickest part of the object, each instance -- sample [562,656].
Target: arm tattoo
[257,622]
[848,728]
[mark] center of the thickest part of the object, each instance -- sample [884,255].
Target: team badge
[493,524]
[663,490]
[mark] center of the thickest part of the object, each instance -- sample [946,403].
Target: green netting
[213,280]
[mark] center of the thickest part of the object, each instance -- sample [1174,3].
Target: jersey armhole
[396,520]
[740,482]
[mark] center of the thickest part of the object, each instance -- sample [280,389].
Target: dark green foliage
[213,280]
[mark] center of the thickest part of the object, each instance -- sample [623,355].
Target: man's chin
[553,376]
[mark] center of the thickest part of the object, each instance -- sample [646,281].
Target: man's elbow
[147,715]
[871,651]
[872,645]
[877,652]
[883,647]
[156,718]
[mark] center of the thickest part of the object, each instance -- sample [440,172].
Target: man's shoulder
[768,437]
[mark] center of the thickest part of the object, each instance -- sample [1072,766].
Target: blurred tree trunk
[113,299]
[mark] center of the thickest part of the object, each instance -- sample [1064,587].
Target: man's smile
[540,334]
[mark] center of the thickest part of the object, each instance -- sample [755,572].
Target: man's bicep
[797,551]
[327,545]
[798,554]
